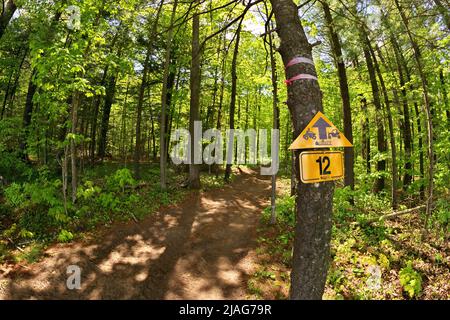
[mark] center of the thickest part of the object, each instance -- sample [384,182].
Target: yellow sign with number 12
[320,166]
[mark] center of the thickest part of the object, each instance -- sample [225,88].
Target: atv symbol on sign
[334,134]
[309,135]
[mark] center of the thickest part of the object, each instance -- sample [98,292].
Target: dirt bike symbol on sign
[334,134]
[309,135]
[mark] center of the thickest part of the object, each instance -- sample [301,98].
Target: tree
[143,86]
[233,101]
[194,113]
[313,203]
[426,110]
[345,95]
[163,153]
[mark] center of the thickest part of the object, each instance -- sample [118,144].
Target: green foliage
[121,179]
[411,281]
[14,196]
[11,165]
[65,236]
[285,211]
[31,254]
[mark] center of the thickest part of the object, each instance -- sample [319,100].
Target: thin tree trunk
[163,125]
[144,82]
[349,179]
[276,123]
[5,98]
[73,149]
[381,142]
[387,105]
[426,110]
[233,101]
[109,99]
[194,113]
[313,202]
[445,96]
[27,114]
[406,125]
[366,135]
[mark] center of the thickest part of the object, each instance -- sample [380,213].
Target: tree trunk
[387,105]
[163,125]
[345,95]
[381,142]
[73,149]
[426,110]
[109,99]
[407,136]
[365,150]
[275,123]
[314,201]
[144,82]
[194,113]
[7,13]
[28,114]
[445,96]
[232,103]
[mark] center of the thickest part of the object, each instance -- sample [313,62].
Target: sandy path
[200,249]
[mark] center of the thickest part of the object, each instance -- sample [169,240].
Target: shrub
[410,280]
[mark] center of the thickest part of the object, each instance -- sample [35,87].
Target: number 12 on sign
[320,166]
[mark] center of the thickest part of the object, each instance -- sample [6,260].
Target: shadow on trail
[196,250]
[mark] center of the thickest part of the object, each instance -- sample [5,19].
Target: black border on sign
[322,152]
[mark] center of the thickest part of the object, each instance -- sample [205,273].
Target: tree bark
[313,201]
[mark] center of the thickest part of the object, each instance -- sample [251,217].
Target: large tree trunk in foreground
[194,114]
[314,201]
[6,15]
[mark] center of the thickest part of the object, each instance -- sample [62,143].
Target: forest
[98,99]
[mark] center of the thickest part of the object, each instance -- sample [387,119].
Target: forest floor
[218,244]
[202,248]
[387,260]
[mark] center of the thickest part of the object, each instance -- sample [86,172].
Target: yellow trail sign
[320,166]
[320,133]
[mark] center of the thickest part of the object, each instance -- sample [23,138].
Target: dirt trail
[200,249]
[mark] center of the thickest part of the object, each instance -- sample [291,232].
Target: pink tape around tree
[301,76]
[298,60]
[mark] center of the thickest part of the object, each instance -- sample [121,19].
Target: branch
[395,214]
[241,16]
